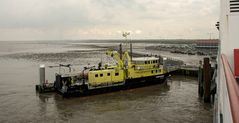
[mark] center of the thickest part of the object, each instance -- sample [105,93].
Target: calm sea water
[174,102]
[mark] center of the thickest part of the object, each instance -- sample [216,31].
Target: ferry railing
[229,93]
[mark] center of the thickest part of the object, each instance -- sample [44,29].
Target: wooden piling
[206,79]
[200,80]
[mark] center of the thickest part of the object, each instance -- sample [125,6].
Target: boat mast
[125,34]
[120,51]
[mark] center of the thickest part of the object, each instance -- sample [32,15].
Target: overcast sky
[106,19]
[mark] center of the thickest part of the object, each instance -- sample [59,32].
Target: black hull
[129,84]
[145,81]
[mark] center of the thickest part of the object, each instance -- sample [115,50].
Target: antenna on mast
[125,34]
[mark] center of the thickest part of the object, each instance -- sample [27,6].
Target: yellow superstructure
[126,69]
[144,67]
[106,77]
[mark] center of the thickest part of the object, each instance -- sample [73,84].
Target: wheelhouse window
[96,75]
[116,74]
[101,75]
[108,74]
[139,62]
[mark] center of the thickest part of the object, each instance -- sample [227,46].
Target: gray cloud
[85,19]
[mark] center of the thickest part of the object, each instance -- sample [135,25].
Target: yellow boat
[128,71]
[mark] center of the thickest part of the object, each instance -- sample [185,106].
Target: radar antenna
[125,35]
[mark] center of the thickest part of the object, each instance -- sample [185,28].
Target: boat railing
[229,94]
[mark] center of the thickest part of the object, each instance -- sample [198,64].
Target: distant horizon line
[153,39]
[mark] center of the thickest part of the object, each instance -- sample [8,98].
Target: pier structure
[175,66]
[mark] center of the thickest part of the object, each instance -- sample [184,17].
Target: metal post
[131,51]
[42,75]
[120,51]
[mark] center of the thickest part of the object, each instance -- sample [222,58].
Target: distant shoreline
[167,41]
